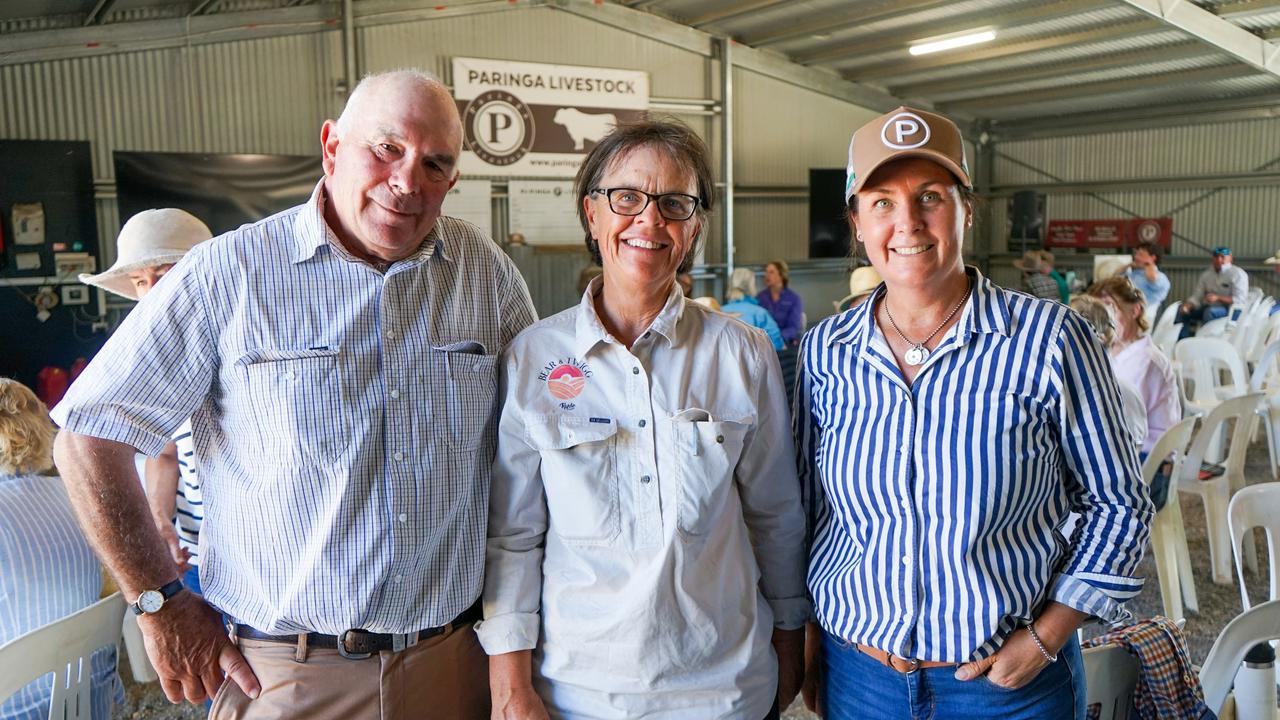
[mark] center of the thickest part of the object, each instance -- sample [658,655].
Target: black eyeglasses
[629,201]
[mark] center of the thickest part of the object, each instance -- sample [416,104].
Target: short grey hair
[742,284]
[417,76]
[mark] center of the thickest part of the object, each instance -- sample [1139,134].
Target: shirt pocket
[579,477]
[707,455]
[297,402]
[464,385]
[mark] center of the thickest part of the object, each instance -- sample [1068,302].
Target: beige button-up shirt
[645,530]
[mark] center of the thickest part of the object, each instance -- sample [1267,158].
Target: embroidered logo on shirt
[565,377]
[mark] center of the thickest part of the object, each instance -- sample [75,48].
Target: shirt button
[395,394]
[720,439]
[288,374]
[398,455]
[399,578]
[402,517]
[647,334]
[645,479]
[635,371]
[906,560]
[642,423]
[391,334]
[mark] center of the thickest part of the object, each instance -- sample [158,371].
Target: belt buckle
[361,643]
[915,664]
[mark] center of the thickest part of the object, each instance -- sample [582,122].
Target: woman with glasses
[646,543]
[947,429]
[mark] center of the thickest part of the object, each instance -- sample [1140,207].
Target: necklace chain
[919,347]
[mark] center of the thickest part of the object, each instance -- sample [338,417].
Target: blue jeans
[1198,316]
[856,686]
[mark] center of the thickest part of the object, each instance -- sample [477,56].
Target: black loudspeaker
[1026,216]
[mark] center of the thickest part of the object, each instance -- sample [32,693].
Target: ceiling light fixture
[954,42]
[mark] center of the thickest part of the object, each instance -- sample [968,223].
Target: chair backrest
[1166,338]
[1167,316]
[63,648]
[1111,676]
[1266,369]
[1255,625]
[1203,360]
[1218,327]
[1243,411]
[1256,506]
[1250,328]
[1172,442]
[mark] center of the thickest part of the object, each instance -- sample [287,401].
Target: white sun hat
[150,238]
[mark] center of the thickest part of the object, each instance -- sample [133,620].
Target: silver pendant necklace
[918,353]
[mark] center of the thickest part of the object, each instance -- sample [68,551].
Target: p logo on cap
[905,131]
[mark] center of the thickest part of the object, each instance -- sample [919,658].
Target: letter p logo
[905,131]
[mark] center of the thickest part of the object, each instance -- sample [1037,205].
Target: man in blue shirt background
[1147,277]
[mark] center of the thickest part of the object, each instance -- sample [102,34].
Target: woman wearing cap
[149,244]
[646,542]
[783,303]
[947,427]
[742,304]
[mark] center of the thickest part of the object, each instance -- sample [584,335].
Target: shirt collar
[589,331]
[311,233]
[986,312]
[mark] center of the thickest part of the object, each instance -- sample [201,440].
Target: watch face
[150,601]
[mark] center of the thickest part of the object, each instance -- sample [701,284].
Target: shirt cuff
[1080,595]
[508,633]
[104,427]
[790,613]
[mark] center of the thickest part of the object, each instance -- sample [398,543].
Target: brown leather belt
[900,664]
[356,644]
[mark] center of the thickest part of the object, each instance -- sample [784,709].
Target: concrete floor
[1218,605]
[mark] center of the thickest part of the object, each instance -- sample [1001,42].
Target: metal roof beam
[1105,87]
[1245,8]
[1128,58]
[1248,107]
[993,51]
[204,6]
[1217,32]
[835,23]
[900,40]
[99,12]
[731,12]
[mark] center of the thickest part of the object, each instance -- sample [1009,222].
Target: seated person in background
[743,305]
[1139,363]
[1035,276]
[783,303]
[47,570]
[151,243]
[1145,275]
[861,282]
[1216,289]
[1100,318]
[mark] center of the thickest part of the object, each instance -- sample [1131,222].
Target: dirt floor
[1218,605]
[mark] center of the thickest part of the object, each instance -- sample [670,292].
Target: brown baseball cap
[905,132]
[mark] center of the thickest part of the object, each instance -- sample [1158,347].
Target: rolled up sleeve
[1104,483]
[153,372]
[770,492]
[517,527]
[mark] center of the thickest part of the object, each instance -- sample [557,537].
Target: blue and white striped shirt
[935,508]
[343,418]
[47,572]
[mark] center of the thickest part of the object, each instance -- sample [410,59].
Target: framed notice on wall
[533,119]
[545,212]
[472,200]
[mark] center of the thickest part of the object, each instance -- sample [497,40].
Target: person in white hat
[861,282]
[947,429]
[148,246]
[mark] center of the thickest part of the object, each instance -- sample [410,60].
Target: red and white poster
[1118,234]
[532,119]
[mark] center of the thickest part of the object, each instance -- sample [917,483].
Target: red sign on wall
[1116,234]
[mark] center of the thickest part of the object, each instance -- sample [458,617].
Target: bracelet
[1036,637]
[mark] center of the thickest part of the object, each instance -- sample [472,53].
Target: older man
[337,363]
[1216,290]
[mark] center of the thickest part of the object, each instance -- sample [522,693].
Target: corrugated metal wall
[1246,218]
[270,96]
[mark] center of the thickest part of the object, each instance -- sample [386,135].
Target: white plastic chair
[1255,625]
[139,663]
[1202,362]
[1111,676]
[63,648]
[1168,535]
[1216,328]
[1216,492]
[1167,316]
[1266,380]
[1166,338]
[1257,506]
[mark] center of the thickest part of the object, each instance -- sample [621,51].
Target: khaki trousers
[445,677]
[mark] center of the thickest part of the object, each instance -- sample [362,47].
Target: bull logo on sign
[904,131]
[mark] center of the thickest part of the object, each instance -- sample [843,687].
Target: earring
[859,236]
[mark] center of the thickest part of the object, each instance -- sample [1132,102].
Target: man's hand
[181,555]
[1211,298]
[190,650]
[1186,307]
[812,688]
[789,646]
[1015,664]
[511,687]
